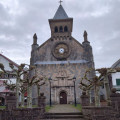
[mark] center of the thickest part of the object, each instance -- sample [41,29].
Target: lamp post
[50,91]
[74,79]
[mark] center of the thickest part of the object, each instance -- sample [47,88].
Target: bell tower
[61,25]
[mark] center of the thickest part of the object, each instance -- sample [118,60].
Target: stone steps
[60,116]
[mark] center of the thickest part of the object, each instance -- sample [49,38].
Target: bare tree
[9,85]
[94,83]
[104,73]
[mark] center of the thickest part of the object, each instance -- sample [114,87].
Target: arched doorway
[63,98]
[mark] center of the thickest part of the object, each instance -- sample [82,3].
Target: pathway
[63,109]
[64,112]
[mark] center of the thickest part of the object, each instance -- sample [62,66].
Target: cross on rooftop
[60,2]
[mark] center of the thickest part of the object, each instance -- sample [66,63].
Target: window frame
[117,81]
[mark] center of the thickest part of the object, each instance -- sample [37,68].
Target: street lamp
[50,79]
[74,79]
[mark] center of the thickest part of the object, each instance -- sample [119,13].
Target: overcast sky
[20,19]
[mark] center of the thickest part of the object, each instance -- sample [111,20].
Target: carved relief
[62,79]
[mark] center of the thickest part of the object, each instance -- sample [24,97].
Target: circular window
[61,50]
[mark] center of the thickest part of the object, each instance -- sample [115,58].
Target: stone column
[41,105]
[115,100]
[11,101]
[85,100]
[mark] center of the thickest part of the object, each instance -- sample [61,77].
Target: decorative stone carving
[35,39]
[85,36]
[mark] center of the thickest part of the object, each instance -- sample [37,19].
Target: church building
[63,60]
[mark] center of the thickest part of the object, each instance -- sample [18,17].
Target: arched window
[56,29]
[61,29]
[65,29]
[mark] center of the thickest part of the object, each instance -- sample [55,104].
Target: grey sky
[20,19]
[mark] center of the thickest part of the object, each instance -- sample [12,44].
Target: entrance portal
[63,98]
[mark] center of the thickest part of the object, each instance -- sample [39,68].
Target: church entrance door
[63,98]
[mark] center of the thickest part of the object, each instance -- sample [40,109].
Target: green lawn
[2,107]
[34,106]
[79,107]
[47,108]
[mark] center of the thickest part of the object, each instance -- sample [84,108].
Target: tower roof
[60,14]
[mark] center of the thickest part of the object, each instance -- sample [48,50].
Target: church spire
[60,14]
[61,25]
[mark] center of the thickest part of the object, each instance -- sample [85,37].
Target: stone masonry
[61,58]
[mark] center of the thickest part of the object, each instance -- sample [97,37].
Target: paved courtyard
[63,109]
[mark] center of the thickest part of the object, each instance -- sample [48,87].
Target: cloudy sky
[20,19]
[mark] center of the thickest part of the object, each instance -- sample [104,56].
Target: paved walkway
[63,109]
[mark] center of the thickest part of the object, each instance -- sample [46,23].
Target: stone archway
[63,97]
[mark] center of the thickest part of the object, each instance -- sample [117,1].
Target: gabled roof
[116,64]
[60,14]
[9,60]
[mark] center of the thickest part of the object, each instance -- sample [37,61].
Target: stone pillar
[115,100]
[85,100]
[11,101]
[41,101]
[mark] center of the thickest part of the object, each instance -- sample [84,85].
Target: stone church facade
[62,59]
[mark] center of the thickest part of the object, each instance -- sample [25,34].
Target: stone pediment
[45,51]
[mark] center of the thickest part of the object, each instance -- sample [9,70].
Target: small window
[117,81]
[65,29]
[56,29]
[61,29]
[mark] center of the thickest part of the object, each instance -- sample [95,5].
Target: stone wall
[22,114]
[13,113]
[111,112]
[76,60]
[115,101]
[98,113]
[61,82]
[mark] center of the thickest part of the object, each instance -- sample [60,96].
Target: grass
[79,107]
[34,106]
[2,107]
[47,108]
